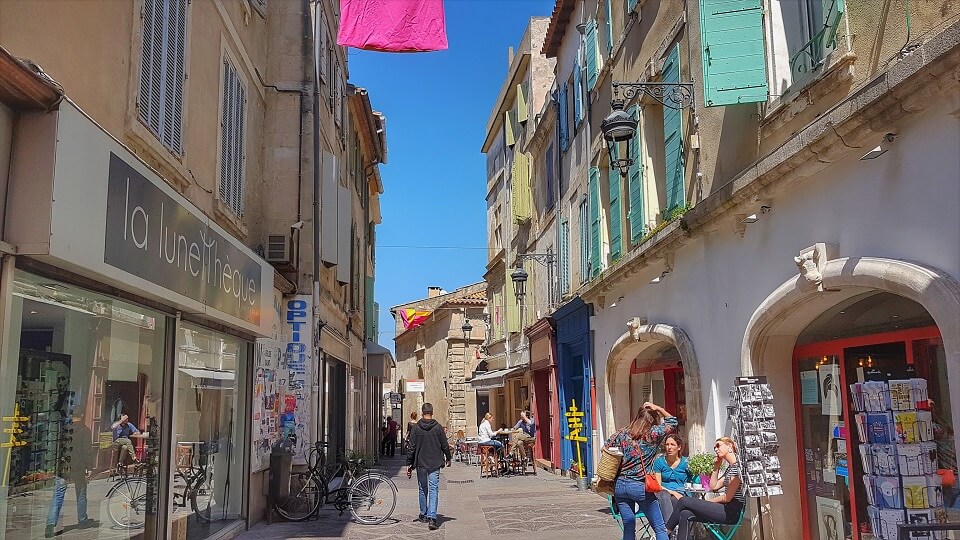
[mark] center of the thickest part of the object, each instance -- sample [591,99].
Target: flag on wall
[392,26]
[412,318]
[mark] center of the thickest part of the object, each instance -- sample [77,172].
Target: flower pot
[705,481]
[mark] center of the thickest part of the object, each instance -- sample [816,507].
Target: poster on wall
[269,389]
[830,521]
[298,353]
[830,390]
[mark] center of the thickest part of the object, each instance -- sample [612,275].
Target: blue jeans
[632,491]
[429,482]
[56,505]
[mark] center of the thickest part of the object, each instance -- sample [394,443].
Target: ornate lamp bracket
[672,95]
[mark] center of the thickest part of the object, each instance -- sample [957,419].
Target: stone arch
[632,343]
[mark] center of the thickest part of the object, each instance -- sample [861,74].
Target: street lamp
[467,328]
[618,128]
[519,277]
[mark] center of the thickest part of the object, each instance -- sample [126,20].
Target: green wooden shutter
[734,65]
[673,139]
[593,62]
[631,5]
[508,127]
[522,105]
[594,188]
[577,95]
[609,29]
[635,184]
[616,223]
[370,316]
[562,101]
[564,257]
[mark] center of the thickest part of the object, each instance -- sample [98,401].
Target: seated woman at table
[724,509]
[527,432]
[486,435]
[672,469]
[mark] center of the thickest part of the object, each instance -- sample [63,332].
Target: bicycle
[127,498]
[371,496]
[197,483]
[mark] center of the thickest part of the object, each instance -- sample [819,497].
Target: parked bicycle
[370,495]
[196,481]
[127,498]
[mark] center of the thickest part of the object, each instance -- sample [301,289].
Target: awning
[493,379]
[209,374]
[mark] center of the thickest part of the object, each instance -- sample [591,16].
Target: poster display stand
[755,431]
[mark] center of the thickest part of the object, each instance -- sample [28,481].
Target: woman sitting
[674,473]
[724,509]
[486,436]
[639,443]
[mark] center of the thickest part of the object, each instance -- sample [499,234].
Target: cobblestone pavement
[528,507]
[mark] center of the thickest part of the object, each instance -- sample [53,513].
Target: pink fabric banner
[392,25]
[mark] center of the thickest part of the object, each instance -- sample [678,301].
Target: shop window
[208,405]
[81,401]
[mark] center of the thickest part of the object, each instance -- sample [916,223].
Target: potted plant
[702,466]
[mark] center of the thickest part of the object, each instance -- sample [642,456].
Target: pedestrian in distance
[639,443]
[428,453]
[392,428]
[383,439]
[725,508]
[410,424]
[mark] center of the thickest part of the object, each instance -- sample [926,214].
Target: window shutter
[520,187]
[508,127]
[523,110]
[232,139]
[562,100]
[564,257]
[734,65]
[673,139]
[584,223]
[321,43]
[162,70]
[616,223]
[512,307]
[593,62]
[635,184]
[631,5]
[577,96]
[594,187]
[609,29]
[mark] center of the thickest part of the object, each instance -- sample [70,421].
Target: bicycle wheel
[372,499]
[127,503]
[203,500]
[306,494]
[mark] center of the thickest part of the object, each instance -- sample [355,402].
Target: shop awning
[209,374]
[493,379]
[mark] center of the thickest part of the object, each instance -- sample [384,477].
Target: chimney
[433,292]
[509,57]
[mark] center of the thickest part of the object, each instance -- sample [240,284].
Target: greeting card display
[754,428]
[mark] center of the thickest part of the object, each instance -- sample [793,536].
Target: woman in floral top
[639,442]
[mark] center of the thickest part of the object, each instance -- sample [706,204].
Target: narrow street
[528,507]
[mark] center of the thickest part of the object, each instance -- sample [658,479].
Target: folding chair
[718,530]
[643,526]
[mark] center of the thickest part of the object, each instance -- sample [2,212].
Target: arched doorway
[900,321]
[649,360]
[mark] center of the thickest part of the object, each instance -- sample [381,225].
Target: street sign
[416,386]
[575,426]
[395,398]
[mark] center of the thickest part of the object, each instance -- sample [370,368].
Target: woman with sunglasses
[725,509]
[639,443]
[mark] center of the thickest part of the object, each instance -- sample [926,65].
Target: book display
[755,430]
[899,456]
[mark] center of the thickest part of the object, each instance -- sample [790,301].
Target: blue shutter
[609,29]
[594,188]
[635,184]
[564,257]
[673,139]
[616,223]
[734,66]
[593,64]
[562,100]
[577,96]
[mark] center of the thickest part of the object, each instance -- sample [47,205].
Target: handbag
[650,481]
[947,477]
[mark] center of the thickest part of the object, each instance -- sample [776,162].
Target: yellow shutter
[508,125]
[522,106]
[520,187]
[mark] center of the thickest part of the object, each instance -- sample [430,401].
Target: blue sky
[437,105]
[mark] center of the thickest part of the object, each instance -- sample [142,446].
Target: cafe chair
[725,532]
[489,464]
[644,530]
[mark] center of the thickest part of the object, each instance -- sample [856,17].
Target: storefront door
[862,464]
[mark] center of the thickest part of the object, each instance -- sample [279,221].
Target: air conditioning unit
[279,251]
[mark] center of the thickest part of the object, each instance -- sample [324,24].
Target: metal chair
[718,530]
[644,530]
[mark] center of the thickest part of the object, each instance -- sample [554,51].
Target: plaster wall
[902,205]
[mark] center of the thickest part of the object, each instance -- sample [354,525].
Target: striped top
[727,474]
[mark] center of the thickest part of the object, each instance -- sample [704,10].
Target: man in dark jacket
[429,452]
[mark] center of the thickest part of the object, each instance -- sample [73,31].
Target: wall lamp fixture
[882,148]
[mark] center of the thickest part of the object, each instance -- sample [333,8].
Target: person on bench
[724,509]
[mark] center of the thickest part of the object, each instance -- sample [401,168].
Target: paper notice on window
[809,388]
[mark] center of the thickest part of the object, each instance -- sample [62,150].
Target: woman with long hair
[639,443]
[725,508]
[674,473]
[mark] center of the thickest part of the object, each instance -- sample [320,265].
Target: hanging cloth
[392,25]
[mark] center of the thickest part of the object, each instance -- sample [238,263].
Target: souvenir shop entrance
[865,464]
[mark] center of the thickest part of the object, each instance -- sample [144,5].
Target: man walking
[74,467]
[428,448]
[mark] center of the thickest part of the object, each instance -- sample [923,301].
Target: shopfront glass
[80,392]
[208,406]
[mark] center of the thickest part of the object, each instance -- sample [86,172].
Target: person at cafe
[526,434]
[124,430]
[725,508]
[673,472]
[486,435]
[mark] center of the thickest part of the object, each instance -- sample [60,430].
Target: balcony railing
[812,55]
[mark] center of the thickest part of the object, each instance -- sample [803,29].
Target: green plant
[364,460]
[701,464]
